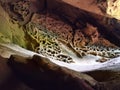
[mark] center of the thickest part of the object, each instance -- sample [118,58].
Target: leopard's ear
[88,24]
[91,26]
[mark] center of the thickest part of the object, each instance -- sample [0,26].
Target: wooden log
[8,80]
[41,74]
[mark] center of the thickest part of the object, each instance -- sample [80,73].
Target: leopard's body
[50,46]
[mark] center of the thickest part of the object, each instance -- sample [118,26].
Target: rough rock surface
[76,25]
[74,16]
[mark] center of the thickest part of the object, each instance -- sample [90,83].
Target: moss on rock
[10,32]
